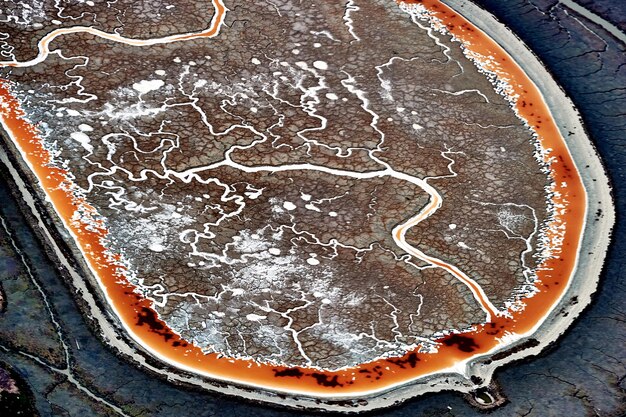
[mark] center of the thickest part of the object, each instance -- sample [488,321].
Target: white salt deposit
[320,65]
[83,139]
[146,86]
[288,205]
[156,247]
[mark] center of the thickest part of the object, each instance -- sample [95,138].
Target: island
[325,205]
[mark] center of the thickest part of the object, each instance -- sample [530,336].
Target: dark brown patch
[463,343]
[326,381]
[292,372]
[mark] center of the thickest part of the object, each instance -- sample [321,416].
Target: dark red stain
[411,359]
[493,329]
[463,343]
[147,316]
[292,372]
[327,381]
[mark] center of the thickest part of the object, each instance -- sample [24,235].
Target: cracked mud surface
[584,375]
[263,171]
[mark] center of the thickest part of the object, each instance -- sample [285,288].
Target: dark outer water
[584,375]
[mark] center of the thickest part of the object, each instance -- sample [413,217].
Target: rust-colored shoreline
[148,330]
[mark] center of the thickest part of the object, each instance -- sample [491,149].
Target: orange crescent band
[137,314]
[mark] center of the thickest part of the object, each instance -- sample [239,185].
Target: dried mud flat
[479,366]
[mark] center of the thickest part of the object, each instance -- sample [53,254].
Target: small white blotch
[85,128]
[254,109]
[318,294]
[177,60]
[295,51]
[400,109]
[332,214]
[253,195]
[156,247]
[326,301]
[146,86]
[312,260]
[255,61]
[417,127]
[305,197]
[463,245]
[331,96]
[237,291]
[83,139]
[159,72]
[317,45]
[452,226]
[502,149]
[312,207]
[320,65]
[390,119]
[288,205]
[71,112]
[274,251]
[56,22]
[255,317]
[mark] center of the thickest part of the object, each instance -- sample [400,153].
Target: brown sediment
[144,325]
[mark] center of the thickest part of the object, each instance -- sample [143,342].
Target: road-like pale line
[605,24]
[212,31]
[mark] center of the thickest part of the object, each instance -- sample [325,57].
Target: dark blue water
[583,375]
